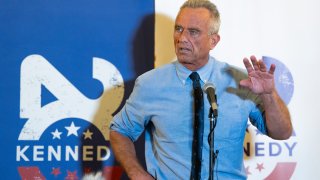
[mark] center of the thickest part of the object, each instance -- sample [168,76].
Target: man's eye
[193,32]
[178,29]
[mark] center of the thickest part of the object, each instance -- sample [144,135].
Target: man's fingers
[248,65]
[255,63]
[272,69]
[263,67]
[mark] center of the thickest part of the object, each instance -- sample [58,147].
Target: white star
[88,134]
[56,134]
[72,129]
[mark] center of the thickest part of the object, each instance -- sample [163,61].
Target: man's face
[192,38]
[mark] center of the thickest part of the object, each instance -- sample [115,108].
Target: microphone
[210,89]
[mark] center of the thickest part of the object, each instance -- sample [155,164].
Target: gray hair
[214,13]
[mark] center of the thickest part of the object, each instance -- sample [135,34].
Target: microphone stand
[213,155]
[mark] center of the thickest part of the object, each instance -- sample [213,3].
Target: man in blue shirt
[162,104]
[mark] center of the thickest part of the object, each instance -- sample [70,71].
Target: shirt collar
[204,72]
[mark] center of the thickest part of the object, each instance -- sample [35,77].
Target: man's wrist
[267,97]
[141,174]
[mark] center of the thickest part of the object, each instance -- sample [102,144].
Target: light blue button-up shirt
[162,104]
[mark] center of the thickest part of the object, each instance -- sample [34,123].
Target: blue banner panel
[66,69]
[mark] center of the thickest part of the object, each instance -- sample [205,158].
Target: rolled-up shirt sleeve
[257,118]
[132,118]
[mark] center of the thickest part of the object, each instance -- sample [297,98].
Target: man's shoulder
[158,73]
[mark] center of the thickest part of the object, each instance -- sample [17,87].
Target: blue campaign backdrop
[46,42]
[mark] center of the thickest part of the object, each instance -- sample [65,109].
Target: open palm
[260,81]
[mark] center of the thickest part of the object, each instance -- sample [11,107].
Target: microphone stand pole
[213,155]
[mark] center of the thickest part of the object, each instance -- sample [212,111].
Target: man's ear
[215,38]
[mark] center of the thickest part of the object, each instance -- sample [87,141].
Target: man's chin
[183,58]
[185,62]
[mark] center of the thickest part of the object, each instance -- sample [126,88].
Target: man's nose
[183,36]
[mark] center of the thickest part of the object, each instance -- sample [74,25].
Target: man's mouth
[183,50]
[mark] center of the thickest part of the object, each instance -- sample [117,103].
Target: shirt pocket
[232,121]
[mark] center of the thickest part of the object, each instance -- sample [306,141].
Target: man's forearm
[125,153]
[277,116]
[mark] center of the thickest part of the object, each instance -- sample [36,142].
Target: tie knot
[194,76]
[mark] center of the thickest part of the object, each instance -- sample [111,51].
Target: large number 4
[71,103]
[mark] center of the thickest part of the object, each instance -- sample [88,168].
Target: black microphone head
[207,86]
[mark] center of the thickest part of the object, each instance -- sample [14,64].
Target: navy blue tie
[198,127]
